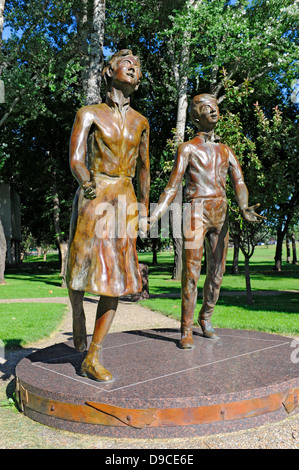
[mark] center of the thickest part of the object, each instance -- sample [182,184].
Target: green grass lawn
[276,312]
[24,323]
[34,278]
[271,314]
[261,273]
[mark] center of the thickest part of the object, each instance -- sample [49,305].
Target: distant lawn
[279,314]
[271,313]
[21,324]
[25,323]
[261,273]
[37,278]
[34,278]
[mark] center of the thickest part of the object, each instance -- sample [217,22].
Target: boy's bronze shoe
[207,329]
[186,341]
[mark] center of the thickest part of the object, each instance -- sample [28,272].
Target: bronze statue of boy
[102,260]
[205,163]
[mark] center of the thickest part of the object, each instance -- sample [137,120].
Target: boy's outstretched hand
[250,215]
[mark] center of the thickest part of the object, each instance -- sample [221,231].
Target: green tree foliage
[248,38]
[277,142]
[243,51]
[39,58]
[42,83]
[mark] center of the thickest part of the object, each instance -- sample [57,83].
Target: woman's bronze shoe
[95,371]
[92,368]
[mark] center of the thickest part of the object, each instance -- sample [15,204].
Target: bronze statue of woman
[103,260]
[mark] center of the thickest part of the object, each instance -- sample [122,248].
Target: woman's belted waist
[110,178]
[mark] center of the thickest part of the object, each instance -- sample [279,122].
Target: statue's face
[208,113]
[127,71]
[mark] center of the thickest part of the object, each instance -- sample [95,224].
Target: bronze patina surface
[205,163]
[102,253]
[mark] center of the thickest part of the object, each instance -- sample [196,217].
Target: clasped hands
[89,187]
[145,224]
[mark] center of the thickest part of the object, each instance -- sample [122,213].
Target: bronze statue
[204,162]
[102,258]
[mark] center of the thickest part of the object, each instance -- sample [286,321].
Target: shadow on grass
[285,303]
[34,267]
[280,303]
[15,351]
[35,271]
[39,279]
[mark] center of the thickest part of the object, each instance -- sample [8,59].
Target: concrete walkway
[20,432]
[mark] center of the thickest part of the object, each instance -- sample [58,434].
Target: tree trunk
[279,243]
[176,216]
[278,251]
[63,248]
[180,71]
[235,265]
[282,229]
[247,280]
[155,247]
[288,249]
[247,246]
[90,45]
[2,88]
[82,35]
[3,247]
[96,53]
[2,5]
[294,248]
[61,243]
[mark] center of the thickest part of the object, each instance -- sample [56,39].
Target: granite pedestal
[242,380]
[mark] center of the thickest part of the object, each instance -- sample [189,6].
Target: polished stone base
[242,380]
